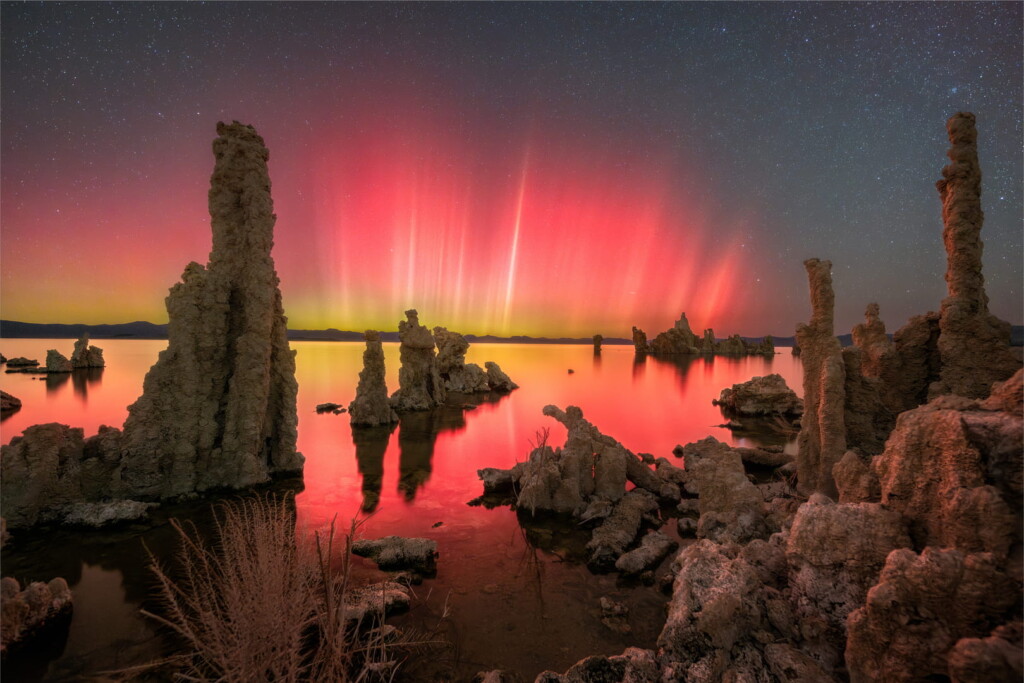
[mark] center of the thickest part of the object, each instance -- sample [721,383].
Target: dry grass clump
[266,605]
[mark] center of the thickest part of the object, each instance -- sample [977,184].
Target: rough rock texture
[371,406]
[917,350]
[999,657]
[640,345]
[497,380]
[855,479]
[870,337]
[25,611]
[370,604]
[654,548]
[419,383]
[8,402]
[397,553]
[632,666]
[85,356]
[458,376]
[822,438]
[953,469]
[597,343]
[973,345]
[678,339]
[102,514]
[866,412]
[57,362]
[728,620]
[618,531]
[767,395]
[920,608]
[730,505]
[835,553]
[22,362]
[218,407]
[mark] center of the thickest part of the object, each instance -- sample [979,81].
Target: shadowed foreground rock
[27,611]
[371,406]
[9,402]
[218,407]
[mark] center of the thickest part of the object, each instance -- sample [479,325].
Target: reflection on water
[518,598]
[83,378]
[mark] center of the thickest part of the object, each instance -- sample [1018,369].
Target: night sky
[544,169]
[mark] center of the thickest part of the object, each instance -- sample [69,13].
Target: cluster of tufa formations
[425,377]
[899,556]
[217,409]
[680,340]
[83,357]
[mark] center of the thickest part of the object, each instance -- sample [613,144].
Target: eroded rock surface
[640,345]
[57,362]
[85,356]
[768,395]
[398,553]
[497,380]
[731,507]
[218,407]
[27,611]
[973,345]
[822,439]
[9,402]
[419,382]
[458,376]
[371,406]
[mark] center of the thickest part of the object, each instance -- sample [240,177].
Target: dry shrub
[266,605]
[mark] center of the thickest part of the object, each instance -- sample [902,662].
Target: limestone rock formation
[27,611]
[419,383]
[22,362]
[57,362]
[920,608]
[834,554]
[218,407]
[640,345]
[457,375]
[371,406]
[973,345]
[654,548]
[597,343]
[971,451]
[679,339]
[617,533]
[767,395]
[999,657]
[497,380]
[731,507]
[917,350]
[398,553]
[822,440]
[85,356]
[8,402]
[871,339]
[866,413]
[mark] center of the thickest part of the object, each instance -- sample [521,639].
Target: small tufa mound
[767,395]
[57,362]
[394,553]
[85,356]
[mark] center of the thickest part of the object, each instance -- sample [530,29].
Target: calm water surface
[515,598]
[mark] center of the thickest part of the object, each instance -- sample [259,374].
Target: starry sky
[510,168]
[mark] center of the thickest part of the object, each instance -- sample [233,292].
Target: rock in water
[85,356]
[8,402]
[974,346]
[57,362]
[640,341]
[768,395]
[371,406]
[497,380]
[822,440]
[419,383]
[597,343]
[218,407]
[458,376]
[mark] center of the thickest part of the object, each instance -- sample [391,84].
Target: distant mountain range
[12,329]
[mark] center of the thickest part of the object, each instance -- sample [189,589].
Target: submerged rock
[25,612]
[368,605]
[22,362]
[57,362]
[768,395]
[822,440]
[419,383]
[329,408]
[371,406]
[85,356]
[395,553]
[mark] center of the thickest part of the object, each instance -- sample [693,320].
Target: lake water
[516,599]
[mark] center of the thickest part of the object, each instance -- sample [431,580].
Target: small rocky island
[680,340]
